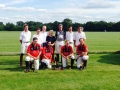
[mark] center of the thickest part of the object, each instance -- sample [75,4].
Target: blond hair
[44,26]
[51,31]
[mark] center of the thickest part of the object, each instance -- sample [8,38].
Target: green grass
[103,41]
[102,73]
[97,41]
[9,41]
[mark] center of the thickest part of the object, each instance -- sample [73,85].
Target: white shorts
[47,62]
[80,60]
[86,57]
[24,47]
[58,46]
[36,62]
[64,61]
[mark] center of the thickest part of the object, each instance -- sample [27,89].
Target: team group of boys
[41,50]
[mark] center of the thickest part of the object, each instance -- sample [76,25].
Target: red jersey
[47,51]
[34,50]
[81,48]
[41,49]
[66,50]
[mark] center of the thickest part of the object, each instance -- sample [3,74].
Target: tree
[117,26]
[39,24]
[66,23]
[30,23]
[49,26]
[110,26]
[55,25]
[75,26]
[32,28]
[89,26]
[1,26]
[20,23]
[10,27]
[19,28]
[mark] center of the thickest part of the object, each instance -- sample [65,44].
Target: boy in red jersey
[47,55]
[82,54]
[67,53]
[33,53]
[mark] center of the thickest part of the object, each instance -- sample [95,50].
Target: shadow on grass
[113,58]
[11,66]
[14,69]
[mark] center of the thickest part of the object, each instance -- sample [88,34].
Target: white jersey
[44,35]
[39,37]
[25,36]
[70,36]
[77,36]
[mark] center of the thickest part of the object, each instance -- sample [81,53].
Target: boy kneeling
[82,54]
[33,53]
[67,53]
[47,56]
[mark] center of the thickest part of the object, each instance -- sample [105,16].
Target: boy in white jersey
[39,36]
[44,35]
[70,35]
[79,34]
[25,42]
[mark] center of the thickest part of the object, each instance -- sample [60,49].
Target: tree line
[89,26]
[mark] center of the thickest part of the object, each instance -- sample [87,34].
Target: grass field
[102,72]
[97,41]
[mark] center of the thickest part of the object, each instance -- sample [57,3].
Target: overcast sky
[45,11]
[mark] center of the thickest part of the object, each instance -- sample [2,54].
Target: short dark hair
[80,38]
[79,26]
[38,28]
[35,38]
[60,25]
[69,26]
[25,25]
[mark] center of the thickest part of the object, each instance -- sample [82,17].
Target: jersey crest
[48,50]
[81,47]
[34,48]
[66,49]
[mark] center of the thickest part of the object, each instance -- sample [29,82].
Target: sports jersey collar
[33,44]
[70,32]
[43,32]
[26,32]
[79,33]
[60,31]
[67,46]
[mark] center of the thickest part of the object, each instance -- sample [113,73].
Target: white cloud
[18,9]
[41,10]
[23,9]
[116,16]
[4,18]
[13,2]
[41,16]
[95,4]
[78,11]
[2,6]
